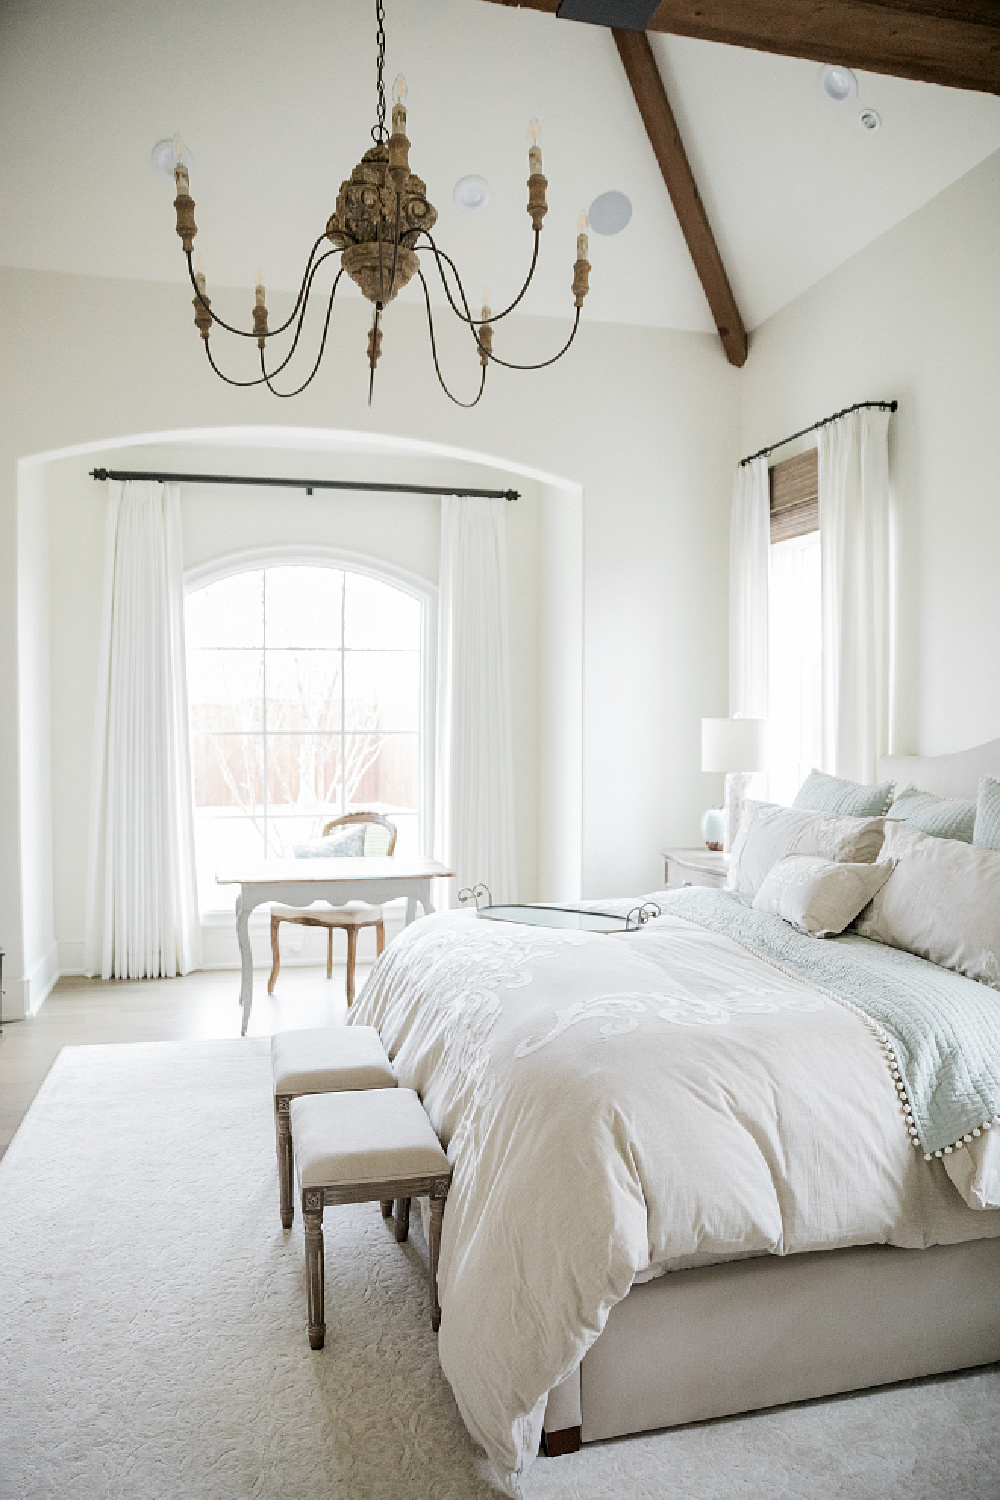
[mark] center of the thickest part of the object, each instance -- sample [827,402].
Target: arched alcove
[60,580]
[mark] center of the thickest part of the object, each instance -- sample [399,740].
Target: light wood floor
[83,1011]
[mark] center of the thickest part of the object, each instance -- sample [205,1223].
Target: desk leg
[424,899]
[246,959]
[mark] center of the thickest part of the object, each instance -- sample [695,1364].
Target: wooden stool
[356,1148]
[322,1060]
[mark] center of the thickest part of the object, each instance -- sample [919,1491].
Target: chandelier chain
[379,135]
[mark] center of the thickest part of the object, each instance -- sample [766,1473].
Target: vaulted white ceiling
[276,102]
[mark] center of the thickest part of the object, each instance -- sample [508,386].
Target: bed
[685,1182]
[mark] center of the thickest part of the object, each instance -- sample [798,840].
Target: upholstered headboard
[955,775]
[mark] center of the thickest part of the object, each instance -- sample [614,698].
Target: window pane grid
[286,735]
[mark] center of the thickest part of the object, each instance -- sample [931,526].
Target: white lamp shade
[732,744]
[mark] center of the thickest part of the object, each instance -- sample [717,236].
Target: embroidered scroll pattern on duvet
[468,972]
[682,1008]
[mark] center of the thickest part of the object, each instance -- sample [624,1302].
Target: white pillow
[942,901]
[819,896]
[769,832]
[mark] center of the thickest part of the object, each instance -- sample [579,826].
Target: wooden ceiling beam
[950,42]
[661,127]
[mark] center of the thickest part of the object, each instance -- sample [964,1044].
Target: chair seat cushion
[357,914]
[327,1058]
[383,1136]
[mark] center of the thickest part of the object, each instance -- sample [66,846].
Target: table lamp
[735,746]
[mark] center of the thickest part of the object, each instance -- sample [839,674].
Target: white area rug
[154,1346]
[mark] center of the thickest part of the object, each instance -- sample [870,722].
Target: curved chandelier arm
[322,346]
[262,379]
[303,293]
[437,367]
[542,363]
[223,376]
[466,316]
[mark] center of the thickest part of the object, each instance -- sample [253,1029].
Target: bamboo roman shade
[794,496]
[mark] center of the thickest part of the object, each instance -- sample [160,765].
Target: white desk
[300,882]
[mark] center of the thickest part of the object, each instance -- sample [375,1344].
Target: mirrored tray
[572,917]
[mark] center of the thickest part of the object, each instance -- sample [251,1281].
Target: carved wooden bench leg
[437,1215]
[386,1207]
[402,1227]
[286,1166]
[312,1220]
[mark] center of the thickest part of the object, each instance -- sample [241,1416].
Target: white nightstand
[694,867]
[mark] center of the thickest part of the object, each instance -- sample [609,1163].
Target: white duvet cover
[613,1105]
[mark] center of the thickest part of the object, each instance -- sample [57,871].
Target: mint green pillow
[847,799]
[987,829]
[941,817]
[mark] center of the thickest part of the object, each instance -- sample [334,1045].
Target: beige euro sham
[942,901]
[769,833]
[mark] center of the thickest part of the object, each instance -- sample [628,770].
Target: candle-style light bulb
[534,147]
[582,243]
[399,95]
[260,288]
[199,274]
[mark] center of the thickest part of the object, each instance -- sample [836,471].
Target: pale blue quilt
[944,1028]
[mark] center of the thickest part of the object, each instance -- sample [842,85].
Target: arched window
[306,692]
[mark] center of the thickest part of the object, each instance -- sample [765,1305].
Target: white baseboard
[71,958]
[300,946]
[25,997]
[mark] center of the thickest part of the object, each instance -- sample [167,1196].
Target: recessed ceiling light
[167,153]
[472,193]
[609,213]
[838,83]
[869,119]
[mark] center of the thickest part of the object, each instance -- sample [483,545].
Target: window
[306,692]
[795,625]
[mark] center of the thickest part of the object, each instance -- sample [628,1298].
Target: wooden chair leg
[437,1215]
[286,1166]
[386,1206]
[352,953]
[275,957]
[329,953]
[402,1226]
[312,1221]
[379,938]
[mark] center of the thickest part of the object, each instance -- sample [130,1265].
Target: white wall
[916,315]
[644,421]
[40,966]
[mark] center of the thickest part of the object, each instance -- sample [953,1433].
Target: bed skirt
[750,1334]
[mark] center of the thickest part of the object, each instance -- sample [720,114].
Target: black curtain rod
[858,406]
[307,484]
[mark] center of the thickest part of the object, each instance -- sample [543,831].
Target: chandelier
[380,226]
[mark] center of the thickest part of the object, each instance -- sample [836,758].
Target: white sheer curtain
[474,792]
[854,538]
[749,547]
[142,906]
[795,717]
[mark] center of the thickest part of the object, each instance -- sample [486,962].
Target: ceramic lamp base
[737,785]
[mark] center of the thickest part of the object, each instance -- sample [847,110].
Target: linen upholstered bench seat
[357,1148]
[320,1060]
